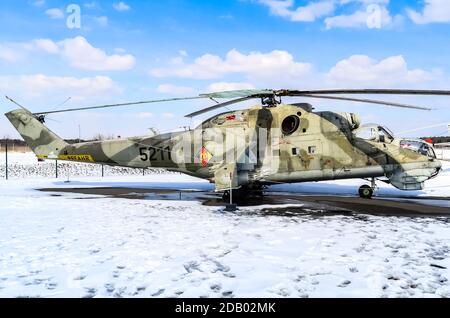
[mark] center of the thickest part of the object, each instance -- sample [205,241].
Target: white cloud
[81,54]
[254,65]
[46,45]
[308,13]
[18,51]
[35,86]
[38,3]
[435,11]
[361,70]
[280,70]
[121,6]
[227,86]
[120,50]
[366,2]
[361,19]
[102,21]
[174,90]
[55,13]
[77,51]
[9,54]
[14,52]
[370,12]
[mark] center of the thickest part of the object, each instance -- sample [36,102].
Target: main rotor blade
[365,91]
[214,107]
[16,103]
[240,93]
[286,92]
[119,105]
[362,100]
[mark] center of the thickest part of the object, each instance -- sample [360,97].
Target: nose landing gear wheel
[366,192]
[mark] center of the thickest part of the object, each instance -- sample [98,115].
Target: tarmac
[301,204]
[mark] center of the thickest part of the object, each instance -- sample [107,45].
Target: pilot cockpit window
[382,135]
[418,146]
[385,135]
[375,133]
[367,133]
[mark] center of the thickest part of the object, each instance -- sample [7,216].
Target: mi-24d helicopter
[244,151]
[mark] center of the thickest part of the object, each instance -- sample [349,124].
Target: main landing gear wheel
[366,192]
[226,196]
[238,195]
[243,194]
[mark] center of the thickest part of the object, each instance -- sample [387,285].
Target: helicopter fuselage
[254,147]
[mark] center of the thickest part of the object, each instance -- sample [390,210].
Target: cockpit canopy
[419,146]
[373,132]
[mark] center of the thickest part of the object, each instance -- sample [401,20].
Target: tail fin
[43,142]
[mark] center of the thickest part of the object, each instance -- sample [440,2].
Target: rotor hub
[271,101]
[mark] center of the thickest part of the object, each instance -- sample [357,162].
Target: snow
[26,165]
[74,245]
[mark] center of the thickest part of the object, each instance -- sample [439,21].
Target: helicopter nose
[414,178]
[437,167]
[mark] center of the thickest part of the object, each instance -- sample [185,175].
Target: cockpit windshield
[418,146]
[375,133]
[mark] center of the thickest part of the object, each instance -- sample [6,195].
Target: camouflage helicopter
[244,151]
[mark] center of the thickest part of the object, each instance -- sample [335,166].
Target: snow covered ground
[26,165]
[72,245]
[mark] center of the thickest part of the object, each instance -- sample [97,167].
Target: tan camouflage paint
[338,153]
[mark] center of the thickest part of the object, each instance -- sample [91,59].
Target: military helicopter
[244,151]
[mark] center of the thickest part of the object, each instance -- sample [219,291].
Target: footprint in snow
[227,294]
[109,288]
[39,281]
[216,287]
[79,277]
[229,275]
[283,293]
[141,289]
[90,293]
[353,269]
[344,284]
[120,292]
[192,266]
[51,286]
[158,293]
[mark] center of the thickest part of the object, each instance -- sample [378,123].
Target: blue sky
[134,50]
